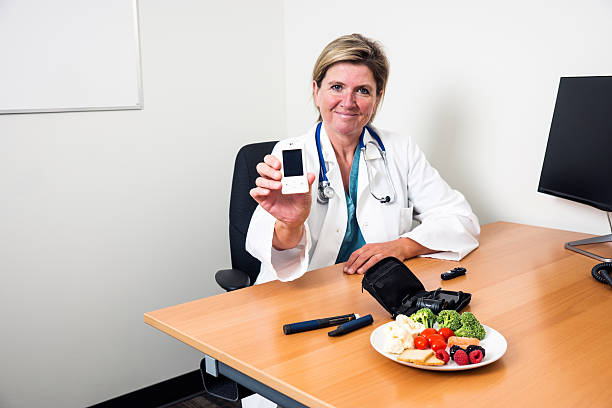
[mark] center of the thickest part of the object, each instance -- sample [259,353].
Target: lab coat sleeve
[447,223]
[285,265]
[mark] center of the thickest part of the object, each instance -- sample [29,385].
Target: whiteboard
[69,55]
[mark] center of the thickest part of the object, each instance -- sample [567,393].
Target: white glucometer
[293,167]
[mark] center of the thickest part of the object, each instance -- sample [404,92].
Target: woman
[291,234]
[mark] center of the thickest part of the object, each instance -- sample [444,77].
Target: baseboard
[159,395]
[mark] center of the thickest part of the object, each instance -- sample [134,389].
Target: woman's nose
[348,99]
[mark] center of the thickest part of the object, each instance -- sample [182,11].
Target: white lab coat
[447,223]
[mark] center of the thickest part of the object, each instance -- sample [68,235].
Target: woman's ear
[315,93]
[378,99]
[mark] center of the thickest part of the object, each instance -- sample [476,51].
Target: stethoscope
[326,191]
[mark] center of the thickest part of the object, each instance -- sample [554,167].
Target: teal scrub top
[353,240]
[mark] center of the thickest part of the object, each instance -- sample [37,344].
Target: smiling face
[347,99]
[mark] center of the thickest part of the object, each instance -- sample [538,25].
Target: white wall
[107,215]
[474,82]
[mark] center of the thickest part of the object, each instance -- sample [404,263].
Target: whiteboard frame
[139,103]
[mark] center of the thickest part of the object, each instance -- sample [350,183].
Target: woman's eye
[336,87]
[363,91]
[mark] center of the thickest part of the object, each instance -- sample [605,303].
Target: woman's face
[346,99]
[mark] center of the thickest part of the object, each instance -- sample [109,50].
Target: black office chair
[245,267]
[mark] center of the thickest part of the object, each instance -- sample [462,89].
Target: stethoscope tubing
[325,191]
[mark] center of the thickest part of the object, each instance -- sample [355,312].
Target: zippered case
[399,291]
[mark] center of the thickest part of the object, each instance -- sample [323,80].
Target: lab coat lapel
[334,225]
[363,187]
[370,211]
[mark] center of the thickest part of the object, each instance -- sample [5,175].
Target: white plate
[494,343]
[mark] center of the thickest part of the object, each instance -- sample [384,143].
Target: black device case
[399,291]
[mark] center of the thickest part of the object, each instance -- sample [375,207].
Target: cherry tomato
[446,332]
[435,337]
[420,342]
[428,332]
[438,345]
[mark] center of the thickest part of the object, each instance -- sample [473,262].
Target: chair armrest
[232,279]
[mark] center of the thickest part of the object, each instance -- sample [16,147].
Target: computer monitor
[578,161]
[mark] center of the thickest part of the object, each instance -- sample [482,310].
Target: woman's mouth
[346,115]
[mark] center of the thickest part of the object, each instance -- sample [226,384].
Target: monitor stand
[573,246]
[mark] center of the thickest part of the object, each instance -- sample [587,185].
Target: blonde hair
[356,49]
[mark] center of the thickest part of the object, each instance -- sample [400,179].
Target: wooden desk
[541,297]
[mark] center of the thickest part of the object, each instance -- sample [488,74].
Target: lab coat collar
[328,150]
[334,225]
[329,154]
[363,182]
[331,163]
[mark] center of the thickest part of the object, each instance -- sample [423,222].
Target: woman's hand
[290,210]
[402,248]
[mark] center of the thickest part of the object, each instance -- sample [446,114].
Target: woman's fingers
[267,171]
[268,184]
[272,161]
[259,193]
[368,255]
[357,258]
[371,262]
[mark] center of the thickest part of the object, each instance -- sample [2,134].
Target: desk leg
[218,378]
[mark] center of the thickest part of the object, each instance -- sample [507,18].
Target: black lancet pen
[352,326]
[318,323]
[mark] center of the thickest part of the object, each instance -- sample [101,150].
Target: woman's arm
[289,210]
[365,257]
[448,228]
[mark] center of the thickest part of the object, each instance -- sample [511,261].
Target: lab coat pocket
[405,219]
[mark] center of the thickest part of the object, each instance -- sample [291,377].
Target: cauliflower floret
[409,325]
[393,345]
[398,330]
[402,319]
[397,338]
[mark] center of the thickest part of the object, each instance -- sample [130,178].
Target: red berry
[475,356]
[442,355]
[461,357]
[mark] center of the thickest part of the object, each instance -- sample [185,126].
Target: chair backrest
[242,205]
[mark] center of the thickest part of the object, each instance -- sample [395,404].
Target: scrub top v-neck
[353,239]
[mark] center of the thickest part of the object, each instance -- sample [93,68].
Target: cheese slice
[415,356]
[433,361]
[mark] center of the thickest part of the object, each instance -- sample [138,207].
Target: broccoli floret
[425,316]
[470,327]
[450,319]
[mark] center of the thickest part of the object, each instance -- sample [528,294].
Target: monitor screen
[578,161]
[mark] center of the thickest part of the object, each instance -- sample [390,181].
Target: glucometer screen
[292,163]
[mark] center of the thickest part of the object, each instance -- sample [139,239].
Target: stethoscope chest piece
[325,192]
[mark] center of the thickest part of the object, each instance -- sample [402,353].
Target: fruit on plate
[437,345]
[446,332]
[420,343]
[435,337]
[428,332]
[442,355]
[475,356]
[471,348]
[461,357]
[453,349]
